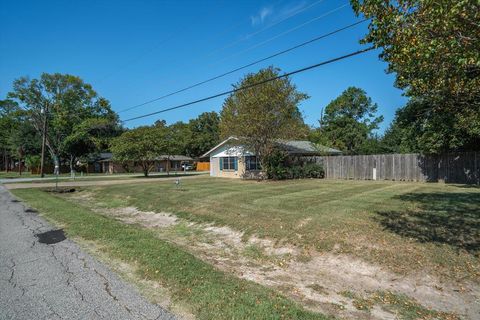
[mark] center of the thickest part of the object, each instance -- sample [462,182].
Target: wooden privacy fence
[461,167]
[203,166]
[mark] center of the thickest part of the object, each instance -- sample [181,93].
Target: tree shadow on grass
[443,218]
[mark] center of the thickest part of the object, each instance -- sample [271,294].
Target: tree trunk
[72,170]
[7,162]
[56,165]
[5,159]
[146,167]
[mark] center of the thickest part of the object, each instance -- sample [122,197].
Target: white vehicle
[187,166]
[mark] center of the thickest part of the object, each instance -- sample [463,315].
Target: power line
[293,14]
[157,45]
[284,33]
[253,84]
[247,65]
[250,35]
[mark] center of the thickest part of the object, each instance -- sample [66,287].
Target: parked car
[187,167]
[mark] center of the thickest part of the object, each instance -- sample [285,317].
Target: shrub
[279,167]
[313,170]
[33,162]
[274,165]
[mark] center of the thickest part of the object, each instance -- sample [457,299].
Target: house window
[251,163]
[228,163]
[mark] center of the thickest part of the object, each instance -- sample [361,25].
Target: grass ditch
[210,293]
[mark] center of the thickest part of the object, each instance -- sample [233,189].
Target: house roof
[291,146]
[175,157]
[106,156]
[206,154]
[102,156]
[305,147]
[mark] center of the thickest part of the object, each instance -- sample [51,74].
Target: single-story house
[172,163]
[230,158]
[104,163]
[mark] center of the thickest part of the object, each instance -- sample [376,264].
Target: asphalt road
[58,281]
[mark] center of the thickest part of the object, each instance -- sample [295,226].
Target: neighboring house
[172,163]
[98,163]
[230,158]
[104,163]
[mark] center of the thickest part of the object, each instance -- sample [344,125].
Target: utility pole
[321,117]
[44,141]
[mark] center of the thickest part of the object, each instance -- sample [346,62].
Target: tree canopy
[348,122]
[261,114]
[67,102]
[433,48]
[17,136]
[195,137]
[142,145]
[204,133]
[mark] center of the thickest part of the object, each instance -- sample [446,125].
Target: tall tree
[178,137]
[93,135]
[66,101]
[195,137]
[349,121]
[433,47]
[204,133]
[142,145]
[18,138]
[416,128]
[261,114]
[8,124]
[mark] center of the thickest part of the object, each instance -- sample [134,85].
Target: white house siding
[214,167]
[228,151]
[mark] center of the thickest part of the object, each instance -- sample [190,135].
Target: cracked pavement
[58,281]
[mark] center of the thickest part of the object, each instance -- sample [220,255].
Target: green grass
[211,294]
[255,252]
[27,174]
[99,177]
[14,174]
[404,226]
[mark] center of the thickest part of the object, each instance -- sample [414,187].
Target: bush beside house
[280,166]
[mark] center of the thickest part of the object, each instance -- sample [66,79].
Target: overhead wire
[285,32]
[253,84]
[246,65]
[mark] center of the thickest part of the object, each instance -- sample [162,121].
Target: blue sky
[134,51]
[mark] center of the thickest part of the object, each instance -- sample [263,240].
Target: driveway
[58,280]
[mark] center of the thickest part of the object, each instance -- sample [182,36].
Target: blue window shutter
[221,163]
[235,163]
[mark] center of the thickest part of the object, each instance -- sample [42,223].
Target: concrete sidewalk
[58,280]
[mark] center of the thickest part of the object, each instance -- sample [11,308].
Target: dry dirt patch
[130,215]
[319,282]
[149,219]
[316,280]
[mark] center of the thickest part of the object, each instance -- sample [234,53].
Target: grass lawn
[94,177]
[14,174]
[406,228]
